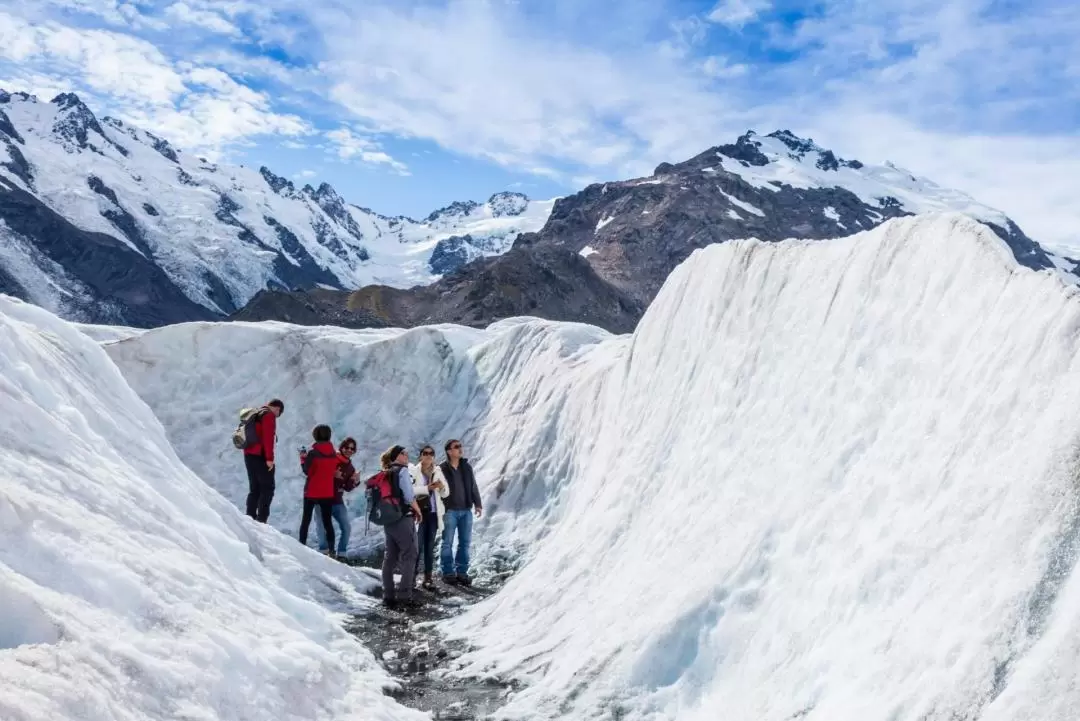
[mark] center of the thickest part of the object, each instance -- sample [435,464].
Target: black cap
[396,451]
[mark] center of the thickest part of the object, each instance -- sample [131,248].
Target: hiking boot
[429,583]
[410,604]
[450,580]
[391,603]
[464,580]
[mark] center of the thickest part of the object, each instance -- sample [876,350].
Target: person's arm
[405,484]
[444,487]
[418,487]
[268,426]
[478,502]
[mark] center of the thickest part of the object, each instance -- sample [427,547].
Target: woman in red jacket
[320,465]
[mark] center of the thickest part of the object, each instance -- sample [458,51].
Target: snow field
[129,588]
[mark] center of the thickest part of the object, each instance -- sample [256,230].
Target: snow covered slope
[823,480]
[134,205]
[128,588]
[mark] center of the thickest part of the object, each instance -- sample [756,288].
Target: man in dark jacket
[259,461]
[463,500]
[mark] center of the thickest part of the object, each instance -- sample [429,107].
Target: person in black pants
[320,466]
[259,462]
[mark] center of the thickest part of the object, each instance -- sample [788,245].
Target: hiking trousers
[344,524]
[425,537]
[400,551]
[260,487]
[326,510]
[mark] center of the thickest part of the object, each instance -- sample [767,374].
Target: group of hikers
[412,502]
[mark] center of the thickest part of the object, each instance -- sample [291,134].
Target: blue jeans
[459,522]
[341,515]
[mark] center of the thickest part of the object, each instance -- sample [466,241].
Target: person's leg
[266,492]
[447,555]
[326,509]
[252,465]
[464,543]
[341,513]
[430,530]
[420,548]
[390,561]
[305,520]
[320,534]
[405,530]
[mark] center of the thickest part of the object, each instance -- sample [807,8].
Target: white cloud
[350,146]
[1033,179]
[716,66]
[305,175]
[208,19]
[198,108]
[737,13]
[517,98]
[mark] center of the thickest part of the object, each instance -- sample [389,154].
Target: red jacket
[266,429]
[320,466]
[344,482]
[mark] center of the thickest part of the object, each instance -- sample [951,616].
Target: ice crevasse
[822,480]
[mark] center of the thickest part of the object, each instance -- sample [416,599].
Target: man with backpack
[392,505]
[463,499]
[256,436]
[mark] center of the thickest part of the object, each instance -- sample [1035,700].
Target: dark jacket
[464,494]
[344,481]
[266,429]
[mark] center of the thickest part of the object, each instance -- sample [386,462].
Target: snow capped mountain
[772,187]
[102,221]
[631,234]
[830,481]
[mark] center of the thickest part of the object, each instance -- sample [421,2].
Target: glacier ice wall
[131,590]
[822,480]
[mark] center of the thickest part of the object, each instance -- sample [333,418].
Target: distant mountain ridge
[104,222]
[633,233]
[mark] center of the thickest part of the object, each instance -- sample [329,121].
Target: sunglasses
[427,453]
[350,449]
[456,447]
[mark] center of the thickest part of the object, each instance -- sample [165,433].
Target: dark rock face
[141,293]
[550,283]
[276,182]
[457,208]
[450,254]
[505,205]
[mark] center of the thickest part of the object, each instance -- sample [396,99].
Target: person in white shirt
[430,488]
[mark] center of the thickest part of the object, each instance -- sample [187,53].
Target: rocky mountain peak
[457,209]
[508,204]
[745,149]
[276,182]
[75,122]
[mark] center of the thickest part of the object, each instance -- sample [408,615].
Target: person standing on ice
[346,480]
[430,489]
[400,535]
[462,500]
[259,461]
[320,466]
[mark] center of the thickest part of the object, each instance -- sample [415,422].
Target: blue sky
[405,106]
